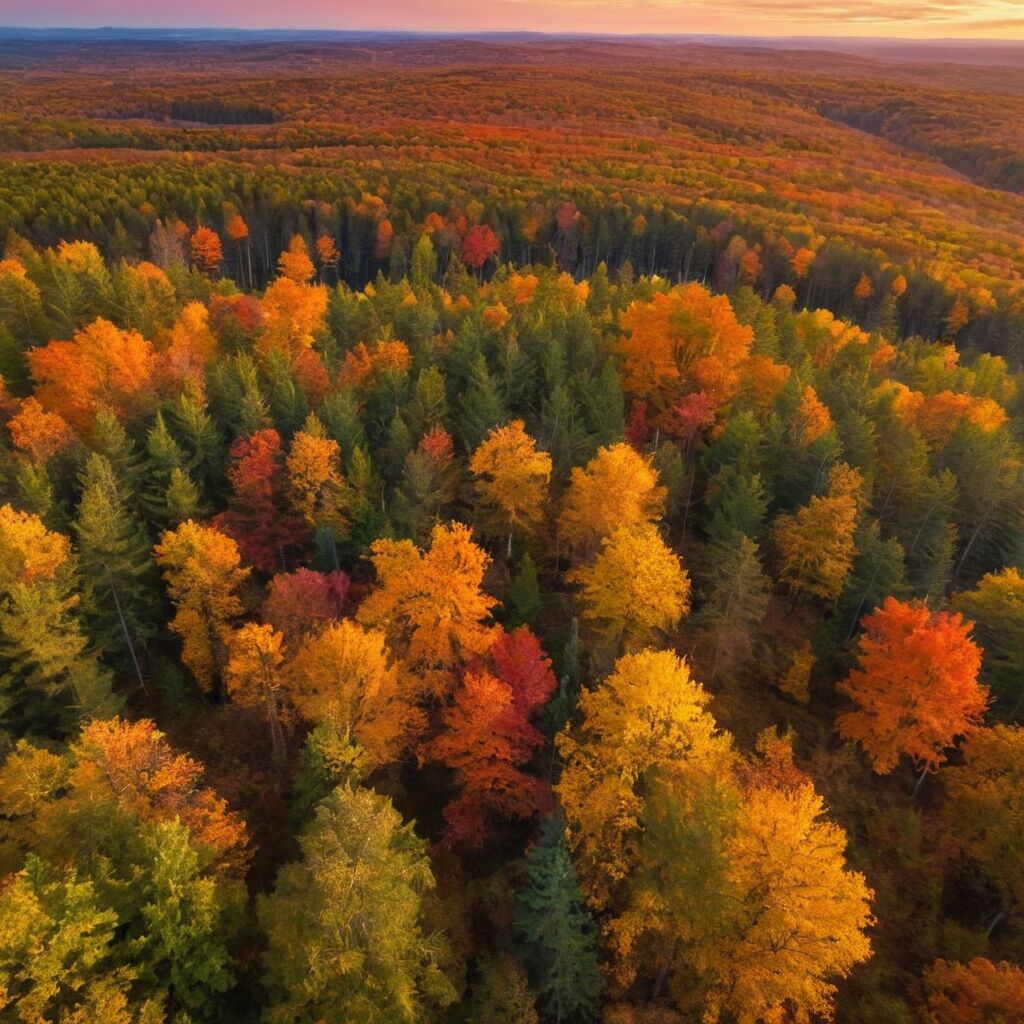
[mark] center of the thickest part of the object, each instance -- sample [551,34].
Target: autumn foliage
[915,688]
[529,503]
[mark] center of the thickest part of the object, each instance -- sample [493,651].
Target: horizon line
[477,32]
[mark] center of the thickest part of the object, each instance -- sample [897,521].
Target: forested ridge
[679,159]
[438,585]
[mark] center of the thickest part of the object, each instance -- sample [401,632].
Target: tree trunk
[127,632]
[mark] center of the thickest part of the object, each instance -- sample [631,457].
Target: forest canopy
[557,559]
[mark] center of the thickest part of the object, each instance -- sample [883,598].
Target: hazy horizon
[938,20]
[312,31]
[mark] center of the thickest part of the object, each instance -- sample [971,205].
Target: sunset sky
[994,19]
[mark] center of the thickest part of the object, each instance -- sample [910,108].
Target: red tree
[485,741]
[255,517]
[303,601]
[479,245]
[520,662]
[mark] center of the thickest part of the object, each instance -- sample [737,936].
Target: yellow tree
[294,262]
[739,893]
[512,476]
[430,604]
[293,314]
[28,551]
[253,676]
[44,652]
[317,490]
[188,348]
[343,677]
[62,804]
[648,716]
[617,488]
[204,572]
[799,914]
[815,545]
[636,586]
[811,419]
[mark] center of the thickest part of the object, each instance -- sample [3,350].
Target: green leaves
[346,934]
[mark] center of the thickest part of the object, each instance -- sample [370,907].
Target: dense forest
[483,540]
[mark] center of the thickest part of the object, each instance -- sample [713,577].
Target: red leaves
[487,738]
[520,662]
[301,602]
[255,517]
[479,245]
[691,415]
[436,444]
[638,430]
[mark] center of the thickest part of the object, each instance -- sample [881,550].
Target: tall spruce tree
[118,574]
[558,937]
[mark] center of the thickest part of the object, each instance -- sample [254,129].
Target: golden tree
[204,572]
[512,476]
[294,263]
[343,676]
[636,586]
[617,488]
[649,715]
[815,545]
[253,675]
[430,604]
[683,341]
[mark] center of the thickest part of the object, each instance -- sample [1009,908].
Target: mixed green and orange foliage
[555,559]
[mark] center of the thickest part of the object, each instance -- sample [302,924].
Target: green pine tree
[429,406]
[605,405]
[523,601]
[49,679]
[164,456]
[342,421]
[398,445]
[116,568]
[557,935]
[481,407]
[111,440]
[735,504]
[286,400]
[424,265]
[201,439]
[735,606]
[368,516]
[563,431]
[877,573]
